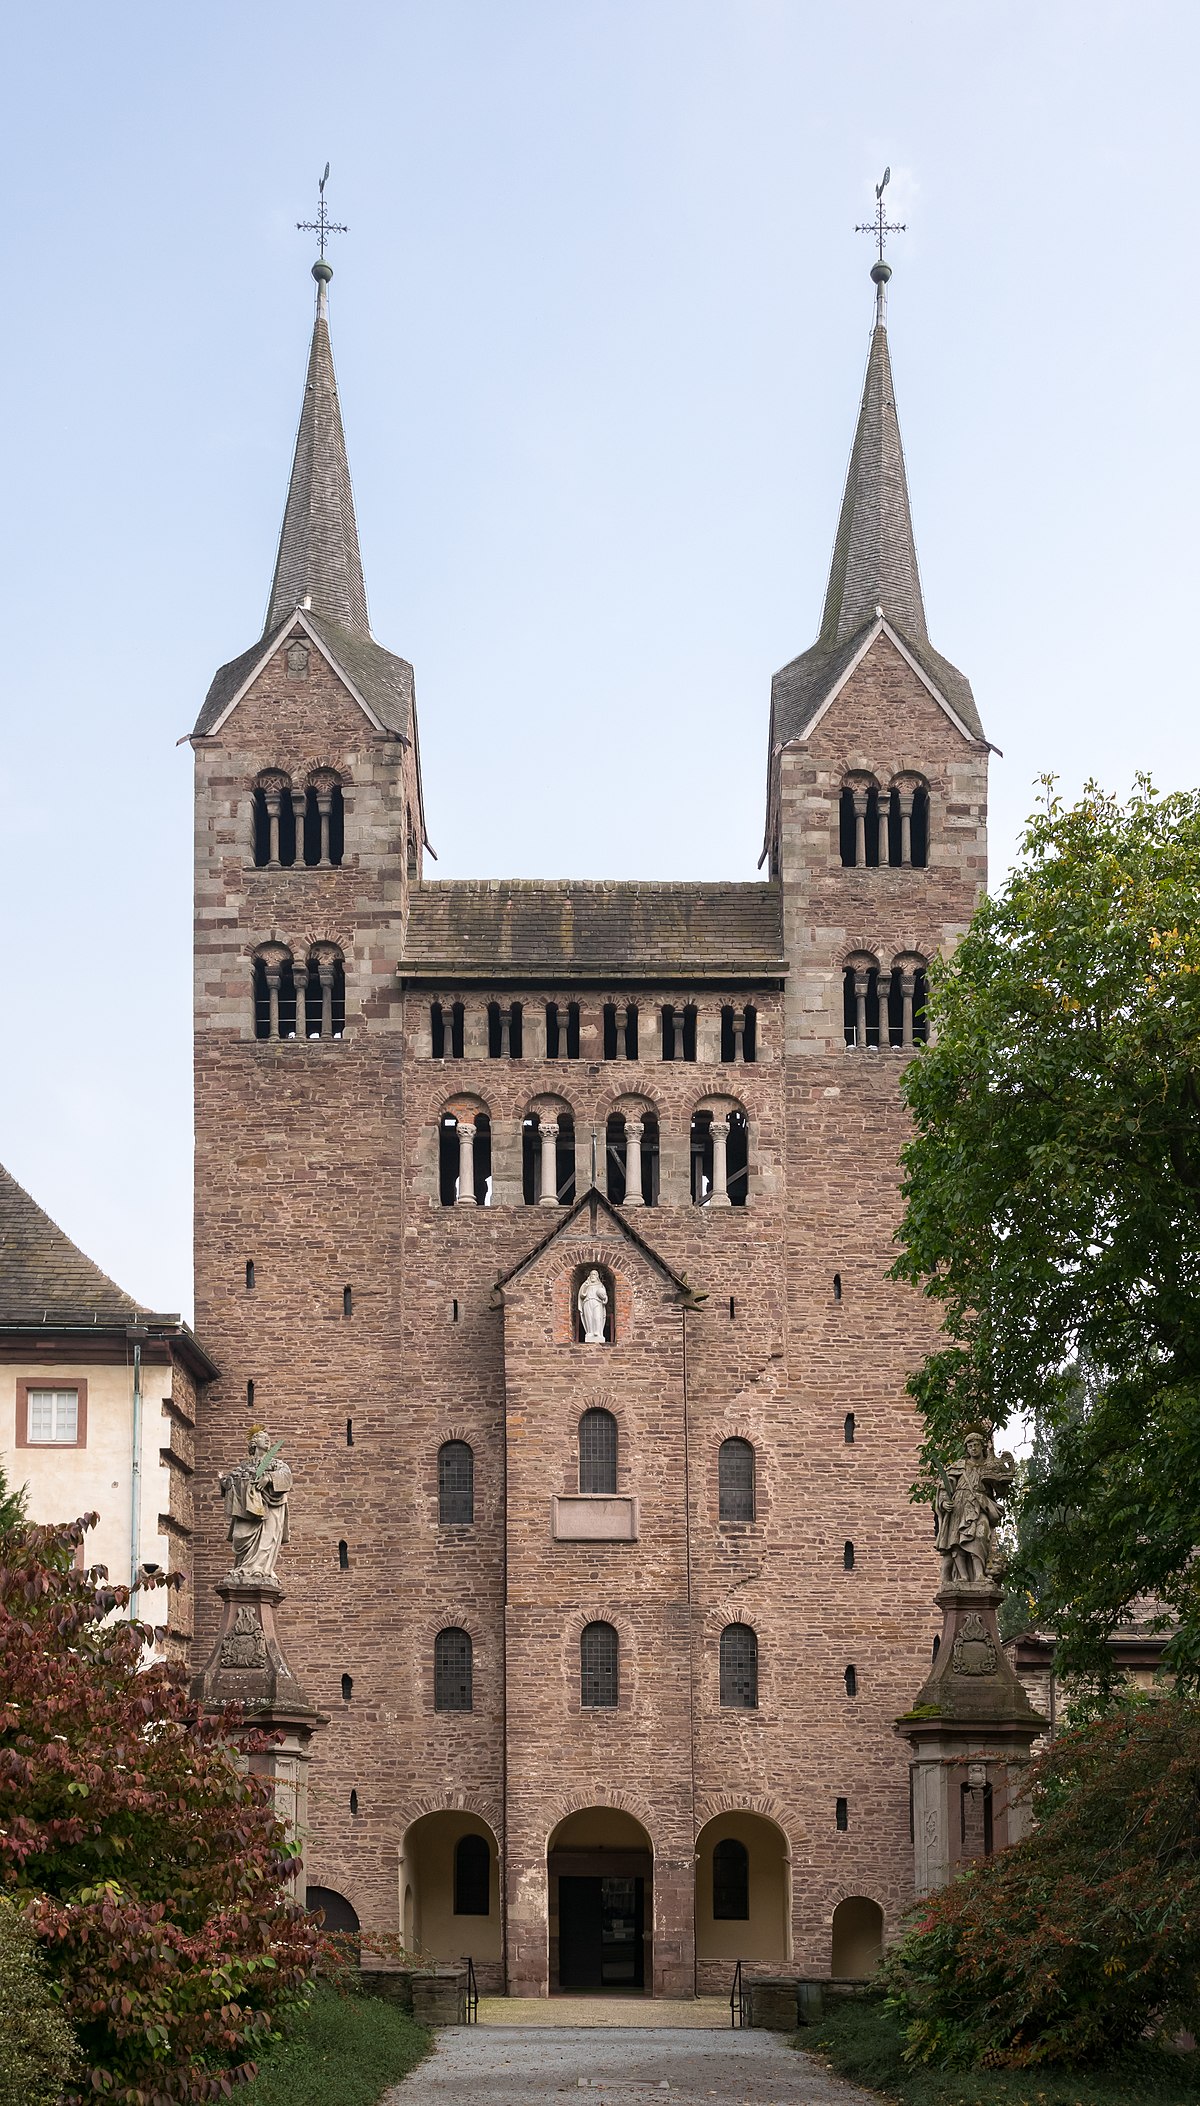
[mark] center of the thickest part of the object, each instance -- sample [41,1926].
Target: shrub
[150,1866]
[1072,1944]
[37,2047]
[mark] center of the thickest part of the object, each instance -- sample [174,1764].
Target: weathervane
[880,227]
[322,226]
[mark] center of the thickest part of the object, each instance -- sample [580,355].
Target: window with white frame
[53,1417]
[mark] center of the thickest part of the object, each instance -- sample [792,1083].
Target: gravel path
[535,2066]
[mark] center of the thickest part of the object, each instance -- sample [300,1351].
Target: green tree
[1072,1944]
[37,2047]
[1052,1207]
[12,1504]
[150,1867]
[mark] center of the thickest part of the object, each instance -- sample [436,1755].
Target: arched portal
[743,1890]
[601,1871]
[857,1938]
[341,1916]
[450,1888]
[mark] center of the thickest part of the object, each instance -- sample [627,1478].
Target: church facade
[548,1225]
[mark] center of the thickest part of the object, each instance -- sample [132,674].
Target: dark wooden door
[580,1932]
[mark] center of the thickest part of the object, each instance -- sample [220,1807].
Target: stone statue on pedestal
[256,1509]
[967,1513]
[593,1308]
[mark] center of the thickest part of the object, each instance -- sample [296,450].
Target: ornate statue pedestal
[247,1667]
[971,1728]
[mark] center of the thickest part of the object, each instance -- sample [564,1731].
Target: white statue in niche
[593,1308]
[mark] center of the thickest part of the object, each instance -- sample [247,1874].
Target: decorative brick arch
[624,1100]
[610,1797]
[712,1805]
[481,1804]
[627,1657]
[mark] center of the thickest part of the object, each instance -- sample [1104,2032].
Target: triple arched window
[884,826]
[884,1006]
[299,998]
[302,824]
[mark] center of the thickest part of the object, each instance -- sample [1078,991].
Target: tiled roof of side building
[44,1277]
[568,929]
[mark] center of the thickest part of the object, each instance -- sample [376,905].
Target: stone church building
[612,1632]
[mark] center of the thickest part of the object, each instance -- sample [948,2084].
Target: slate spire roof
[873,573]
[319,558]
[875,555]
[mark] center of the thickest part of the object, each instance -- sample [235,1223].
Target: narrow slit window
[347,1688]
[249,1274]
[250,1396]
[347,1301]
[349,1433]
[837,1286]
[343,1556]
[354,1802]
[437,1031]
[851,1679]
[841,1814]
[848,1429]
[848,1557]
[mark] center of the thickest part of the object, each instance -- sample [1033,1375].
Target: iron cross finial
[322,226]
[879,226]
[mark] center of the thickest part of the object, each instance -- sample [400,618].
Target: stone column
[299,804]
[739,1034]
[719,1196]
[325,970]
[862,981]
[271,799]
[906,995]
[466,1164]
[883,988]
[971,1729]
[633,1162]
[906,805]
[548,1137]
[324,809]
[273,973]
[247,1667]
[885,844]
[860,827]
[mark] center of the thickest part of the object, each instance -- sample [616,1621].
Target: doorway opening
[600,1865]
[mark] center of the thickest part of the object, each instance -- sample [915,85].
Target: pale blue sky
[600,324]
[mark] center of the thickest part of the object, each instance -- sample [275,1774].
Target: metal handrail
[472,1992]
[737,2000]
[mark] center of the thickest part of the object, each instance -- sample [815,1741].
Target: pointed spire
[319,562]
[875,556]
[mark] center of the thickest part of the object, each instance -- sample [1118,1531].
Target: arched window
[735,1481]
[452,1671]
[739,1668]
[598,1667]
[731,1881]
[860,1003]
[739,1034]
[505,1030]
[548,1157]
[465,1159]
[906,999]
[321,996]
[631,1158]
[274,996]
[456,1484]
[597,1452]
[620,1031]
[562,1031]
[472,1876]
[720,1153]
[860,824]
[274,824]
[908,813]
[339,1914]
[679,1032]
[323,822]
[446,1031]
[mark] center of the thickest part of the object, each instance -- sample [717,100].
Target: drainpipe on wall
[136,1333]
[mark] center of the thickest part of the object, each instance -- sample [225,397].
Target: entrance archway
[601,1899]
[857,1938]
[450,1889]
[743,1891]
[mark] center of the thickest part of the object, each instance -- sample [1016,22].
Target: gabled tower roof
[319,560]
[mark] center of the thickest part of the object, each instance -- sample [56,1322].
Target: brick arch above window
[628,1662]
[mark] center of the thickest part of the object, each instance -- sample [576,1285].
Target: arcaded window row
[514,1031]
[884,1006]
[299,998]
[297,823]
[884,826]
[624,1161]
[598,1437]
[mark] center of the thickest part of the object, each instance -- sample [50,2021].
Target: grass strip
[861,2041]
[345,2051]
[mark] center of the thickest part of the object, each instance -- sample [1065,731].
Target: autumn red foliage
[149,1864]
[1084,1939]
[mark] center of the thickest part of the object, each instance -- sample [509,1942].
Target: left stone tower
[309,829]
